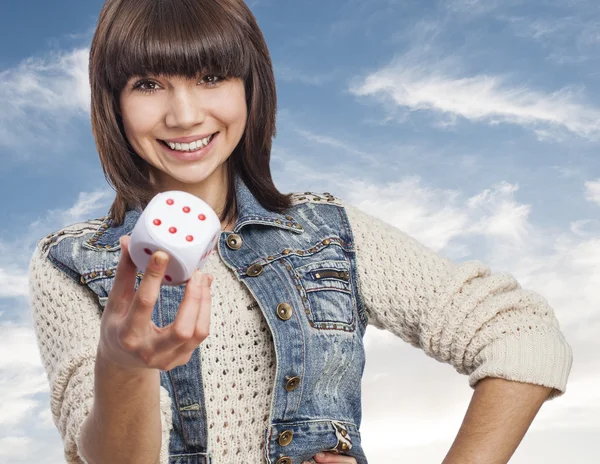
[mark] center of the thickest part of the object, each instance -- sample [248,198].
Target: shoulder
[298,198]
[72,231]
[64,248]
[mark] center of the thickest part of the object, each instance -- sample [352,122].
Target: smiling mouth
[189,147]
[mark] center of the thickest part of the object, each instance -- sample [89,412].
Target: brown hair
[181,38]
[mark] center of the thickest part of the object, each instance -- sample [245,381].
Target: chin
[188,176]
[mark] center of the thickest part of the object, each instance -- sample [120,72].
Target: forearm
[124,425]
[498,416]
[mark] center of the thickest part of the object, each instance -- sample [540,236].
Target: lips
[201,143]
[189,155]
[189,139]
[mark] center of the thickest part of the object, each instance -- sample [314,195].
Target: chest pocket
[329,301]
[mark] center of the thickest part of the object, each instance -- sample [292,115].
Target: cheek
[234,114]
[233,108]
[138,119]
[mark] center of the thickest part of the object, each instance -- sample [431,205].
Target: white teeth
[191,146]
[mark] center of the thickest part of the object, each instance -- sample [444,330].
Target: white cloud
[14,447]
[427,406]
[593,191]
[89,205]
[57,82]
[336,143]
[500,215]
[562,266]
[543,29]
[437,217]
[429,213]
[15,254]
[22,376]
[437,87]
[13,283]
[41,96]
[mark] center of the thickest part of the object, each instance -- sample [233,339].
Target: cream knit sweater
[482,324]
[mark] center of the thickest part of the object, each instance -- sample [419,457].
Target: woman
[265,365]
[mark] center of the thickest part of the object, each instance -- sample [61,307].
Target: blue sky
[472,125]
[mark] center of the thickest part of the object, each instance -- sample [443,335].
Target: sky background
[472,125]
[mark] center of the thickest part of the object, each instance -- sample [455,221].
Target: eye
[212,80]
[145,86]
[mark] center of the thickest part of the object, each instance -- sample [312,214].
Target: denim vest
[301,269]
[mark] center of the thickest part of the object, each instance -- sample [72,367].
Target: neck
[212,190]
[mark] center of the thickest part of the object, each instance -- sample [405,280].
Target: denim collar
[250,211]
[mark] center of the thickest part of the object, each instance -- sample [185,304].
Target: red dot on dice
[186,209]
[168,278]
[202,217]
[170,201]
[147,251]
[173,230]
[189,238]
[157,222]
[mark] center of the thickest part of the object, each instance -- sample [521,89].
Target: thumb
[124,283]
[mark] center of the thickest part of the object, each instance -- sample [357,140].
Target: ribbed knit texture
[482,324]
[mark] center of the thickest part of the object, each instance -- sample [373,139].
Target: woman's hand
[332,458]
[129,338]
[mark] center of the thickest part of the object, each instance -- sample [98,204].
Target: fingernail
[159,258]
[197,277]
[320,455]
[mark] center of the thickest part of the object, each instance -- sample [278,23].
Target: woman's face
[211,112]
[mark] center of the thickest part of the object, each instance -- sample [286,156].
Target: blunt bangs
[185,38]
[181,38]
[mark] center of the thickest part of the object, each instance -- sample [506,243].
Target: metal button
[287,251]
[234,241]
[284,460]
[284,311]
[254,270]
[292,383]
[344,446]
[326,241]
[286,437]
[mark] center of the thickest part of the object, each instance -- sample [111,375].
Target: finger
[192,323]
[203,319]
[148,291]
[124,283]
[332,458]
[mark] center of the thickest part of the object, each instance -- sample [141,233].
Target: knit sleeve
[66,321]
[483,324]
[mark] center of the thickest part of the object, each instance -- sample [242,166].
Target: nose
[185,109]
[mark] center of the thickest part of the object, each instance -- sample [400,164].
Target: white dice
[181,225]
